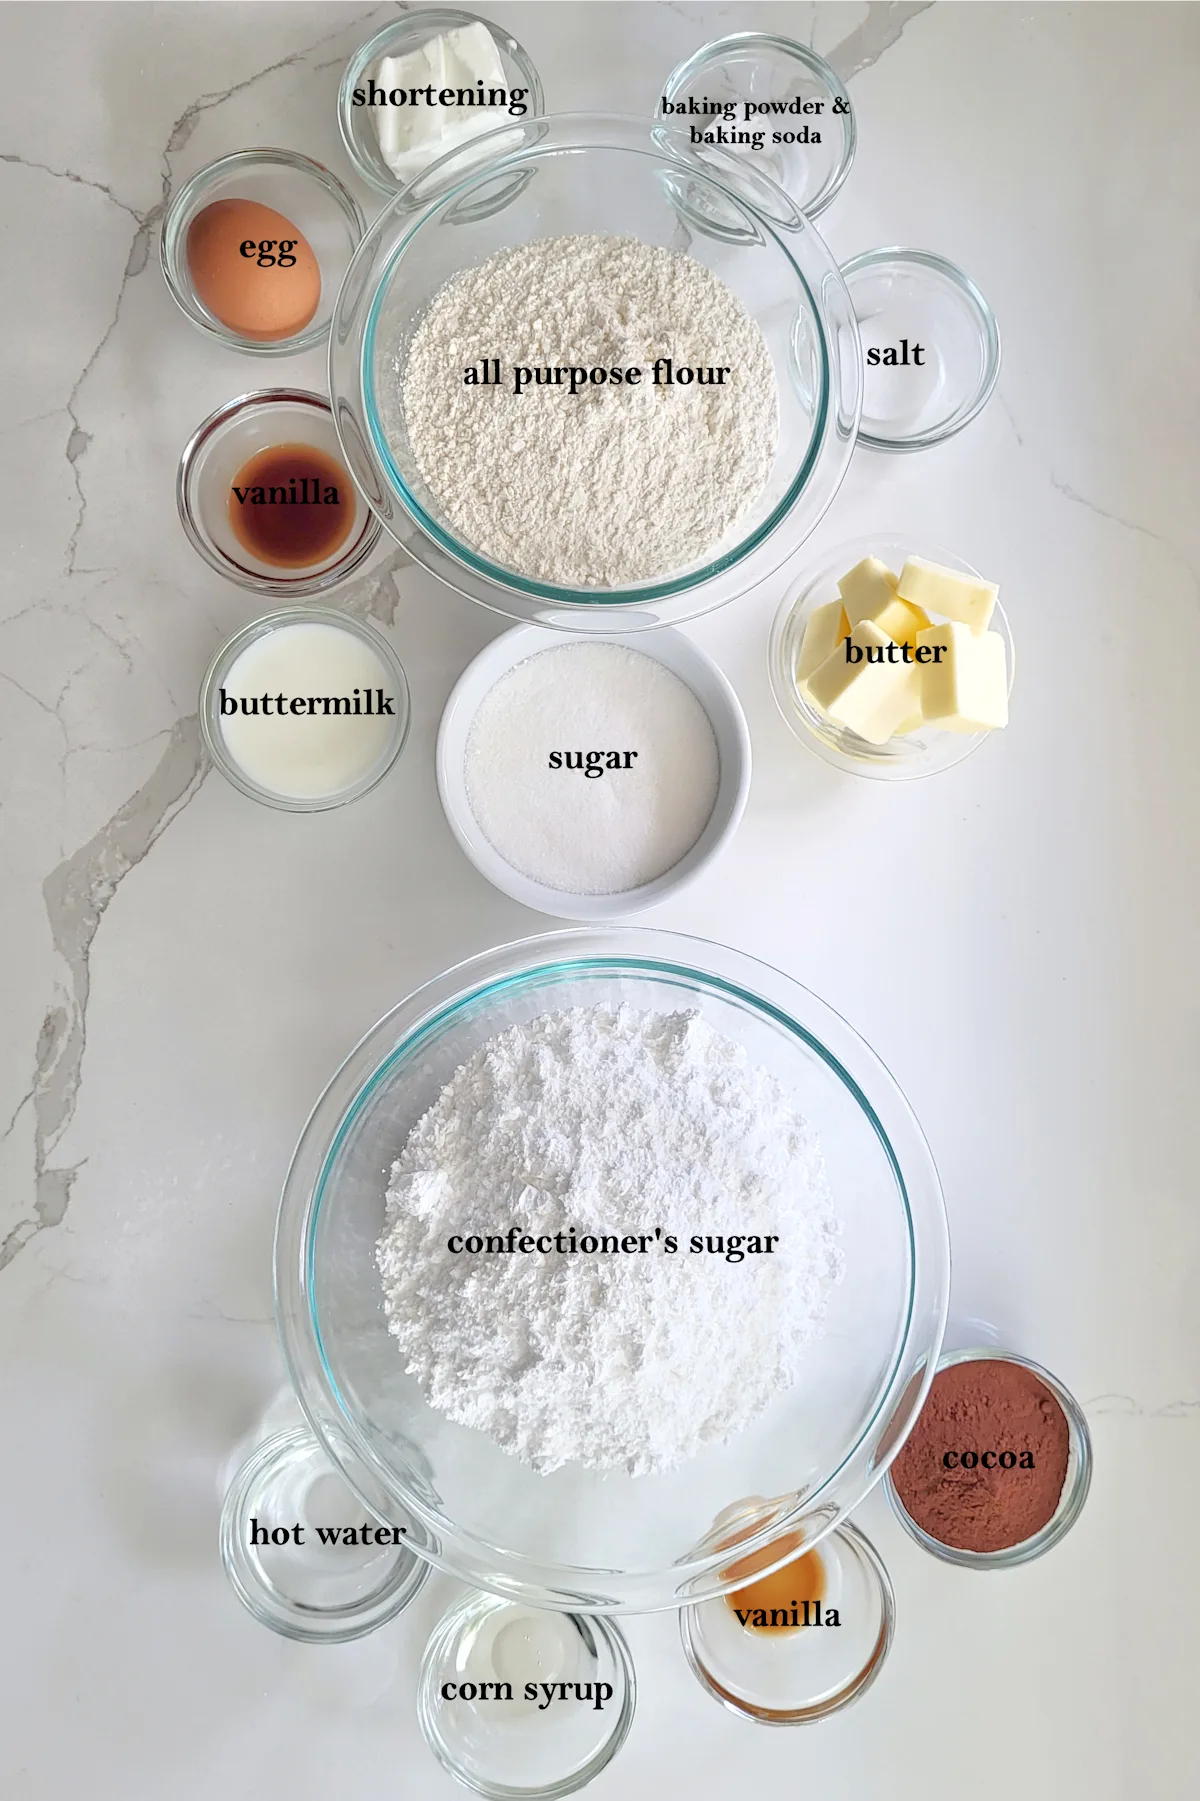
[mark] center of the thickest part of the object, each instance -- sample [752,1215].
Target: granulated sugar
[594,1123]
[591,768]
[618,483]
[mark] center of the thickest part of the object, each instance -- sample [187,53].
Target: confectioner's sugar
[601,1120]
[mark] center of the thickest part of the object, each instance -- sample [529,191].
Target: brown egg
[233,251]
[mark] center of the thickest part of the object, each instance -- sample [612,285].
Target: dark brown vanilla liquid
[291,505]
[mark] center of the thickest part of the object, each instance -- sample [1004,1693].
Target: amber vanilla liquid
[291,505]
[785,1601]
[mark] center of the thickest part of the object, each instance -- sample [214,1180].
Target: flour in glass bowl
[618,483]
[609,1123]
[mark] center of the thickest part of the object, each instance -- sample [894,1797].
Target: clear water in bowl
[607,1539]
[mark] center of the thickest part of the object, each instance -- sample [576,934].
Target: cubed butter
[826,629]
[962,598]
[966,688]
[868,695]
[866,587]
[900,620]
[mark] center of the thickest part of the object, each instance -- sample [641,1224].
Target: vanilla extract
[291,505]
[786,1599]
[787,1619]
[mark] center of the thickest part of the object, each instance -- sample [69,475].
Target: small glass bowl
[511,1749]
[925,752]
[902,294]
[758,66]
[226,657]
[1075,1484]
[305,193]
[219,449]
[796,1678]
[318,1594]
[400,38]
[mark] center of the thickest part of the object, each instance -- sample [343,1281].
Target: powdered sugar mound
[608,1121]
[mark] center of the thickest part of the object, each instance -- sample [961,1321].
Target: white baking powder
[616,484]
[651,752]
[594,1121]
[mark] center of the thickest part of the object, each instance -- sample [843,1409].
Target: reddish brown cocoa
[984,1405]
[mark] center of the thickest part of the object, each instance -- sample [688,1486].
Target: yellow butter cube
[966,688]
[959,597]
[866,685]
[826,629]
[866,587]
[900,620]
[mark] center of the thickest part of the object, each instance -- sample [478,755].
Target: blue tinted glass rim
[566,970]
[546,590]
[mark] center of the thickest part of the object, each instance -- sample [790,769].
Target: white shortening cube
[966,688]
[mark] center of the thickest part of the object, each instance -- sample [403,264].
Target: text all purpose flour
[610,483]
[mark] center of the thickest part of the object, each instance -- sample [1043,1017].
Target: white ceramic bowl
[682,658]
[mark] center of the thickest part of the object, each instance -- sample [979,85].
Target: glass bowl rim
[1070,1502]
[642,950]
[280,585]
[782,680]
[853,1690]
[989,331]
[735,41]
[293,1619]
[449,1623]
[404,28]
[256,156]
[537,149]
[258,628]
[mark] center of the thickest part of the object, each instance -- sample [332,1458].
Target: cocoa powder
[984,1406]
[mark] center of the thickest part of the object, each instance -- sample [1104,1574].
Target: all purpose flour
[617,483]
[591,1122]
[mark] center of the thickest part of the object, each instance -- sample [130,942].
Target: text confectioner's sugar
[598,826]
[609,1122]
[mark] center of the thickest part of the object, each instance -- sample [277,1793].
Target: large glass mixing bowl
[595,173]
[580,1539]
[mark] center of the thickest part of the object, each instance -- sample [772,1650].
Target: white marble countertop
[182,970]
